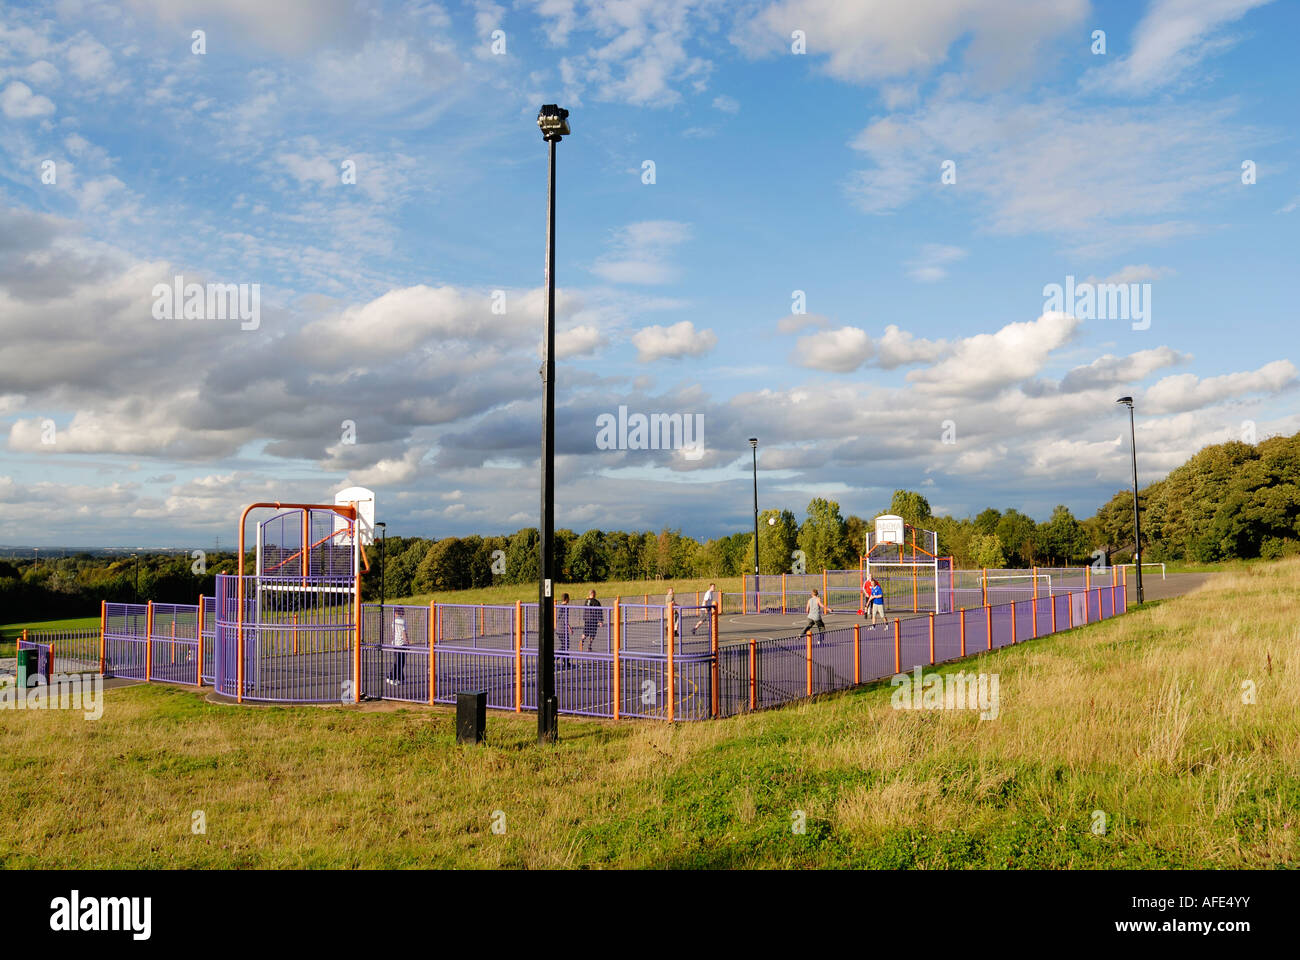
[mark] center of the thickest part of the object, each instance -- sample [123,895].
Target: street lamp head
[1127,401]
[554,122]
[753,441]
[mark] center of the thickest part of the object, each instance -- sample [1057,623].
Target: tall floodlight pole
[1137,516]
[753,443]
[383,568]
[554,124]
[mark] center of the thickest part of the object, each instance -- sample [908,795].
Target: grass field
[10,632]
[1141,718]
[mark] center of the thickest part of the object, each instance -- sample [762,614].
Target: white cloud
[838,351]
[1109,370]
[726,104]
[18,102]
[989,362]
[1186,391]
[640,253]
[1172,37]
[872,40]
[679,340]
[930,265]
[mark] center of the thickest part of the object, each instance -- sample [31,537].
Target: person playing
[878,604]
[398,673]
[815,608]
[592,619]
[865,601]
[562,627]
[709,601]
[670,603]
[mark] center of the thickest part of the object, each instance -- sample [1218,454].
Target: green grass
[10,632]
[1141,717]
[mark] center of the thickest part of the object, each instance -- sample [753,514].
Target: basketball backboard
[364,500]
[889,529]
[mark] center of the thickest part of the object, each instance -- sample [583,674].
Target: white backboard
[364,500]
[889,529]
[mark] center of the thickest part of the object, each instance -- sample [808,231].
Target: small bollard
[27,666]
[471,716]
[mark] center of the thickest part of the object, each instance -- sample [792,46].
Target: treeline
[1229,501]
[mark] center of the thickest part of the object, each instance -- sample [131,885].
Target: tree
[776,542]
[911,506]
[987,520]
[1016,532]
[523,557]
[988,551]
[823,536]
[1062,537]
[588,560]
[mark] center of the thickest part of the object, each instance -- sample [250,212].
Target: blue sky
[774,172]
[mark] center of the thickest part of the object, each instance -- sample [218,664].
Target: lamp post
[753,443]
[383,568]
[554,124]
[1137,517]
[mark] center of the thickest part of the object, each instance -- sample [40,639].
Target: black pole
[754,445]
[547,720]
[1137,516]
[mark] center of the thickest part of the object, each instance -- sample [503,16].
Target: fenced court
[613,660]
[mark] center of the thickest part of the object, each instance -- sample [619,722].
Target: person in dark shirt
[592,619]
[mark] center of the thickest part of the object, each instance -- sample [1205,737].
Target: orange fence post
[984,582]
[783,594]
[433,657]
[1033,614]
[1112,599]
[857,653]
[825,590]
[898,647]
[753,674]
[618,641]
[932,639]
[988,616]
[1035,584]
[1053,599]
[519,656]
[103,631]
[961,619]
[1085,607]
[295,630]
[148,642]
[645,606]
[1087,578]
[1013,621]
[744,593]
[1070,610]
[672,678]
[808,663]
[713,629]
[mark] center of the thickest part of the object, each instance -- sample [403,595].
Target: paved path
[1174,585]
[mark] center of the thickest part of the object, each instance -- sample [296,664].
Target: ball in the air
[771,521]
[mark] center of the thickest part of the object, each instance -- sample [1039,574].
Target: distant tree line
[1229,501]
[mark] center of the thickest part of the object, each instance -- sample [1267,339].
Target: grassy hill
[1141,718]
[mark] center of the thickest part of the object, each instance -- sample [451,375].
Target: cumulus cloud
[679,340]
[19,103]
[1186,391]
[931,264]
[1109,370]
[989,362]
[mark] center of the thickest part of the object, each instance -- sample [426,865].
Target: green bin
[27,666]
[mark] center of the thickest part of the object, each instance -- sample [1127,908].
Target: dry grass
[1145,718]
